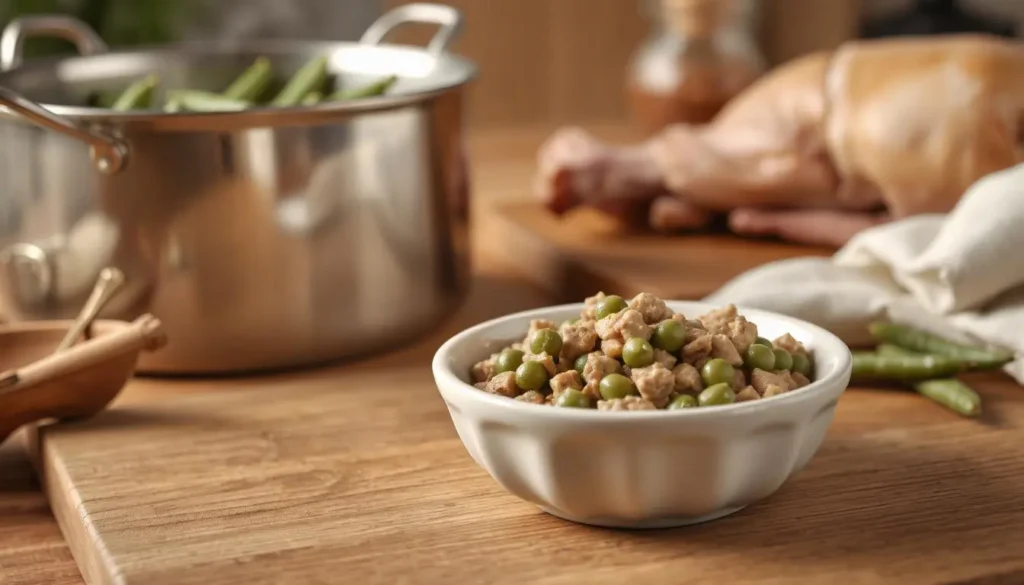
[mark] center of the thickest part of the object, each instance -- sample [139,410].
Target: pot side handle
[108,153]
[70,29]
[448,18]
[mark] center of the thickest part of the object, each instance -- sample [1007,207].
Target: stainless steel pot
[262,239]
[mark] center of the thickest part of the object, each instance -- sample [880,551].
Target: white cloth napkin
[959,274]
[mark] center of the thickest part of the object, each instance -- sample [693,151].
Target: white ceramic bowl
[641,469]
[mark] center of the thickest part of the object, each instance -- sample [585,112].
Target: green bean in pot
[173,105]
[138,95]
[374,89]
[206,101]
[251,84]
[313,98]
[309,78]
[924,342]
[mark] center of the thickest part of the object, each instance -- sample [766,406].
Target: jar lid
[697,18]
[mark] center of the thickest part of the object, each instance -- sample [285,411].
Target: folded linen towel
[960,275]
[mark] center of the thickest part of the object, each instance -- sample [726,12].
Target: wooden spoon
[78,382]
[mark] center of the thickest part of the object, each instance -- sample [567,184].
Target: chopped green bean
[251,84]
[310,77]
[376,88]
[138,95]
[924,342]
[205,101]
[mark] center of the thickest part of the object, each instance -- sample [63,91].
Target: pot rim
[463,70]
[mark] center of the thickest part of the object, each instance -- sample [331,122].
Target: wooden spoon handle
[110,280]
[144,334]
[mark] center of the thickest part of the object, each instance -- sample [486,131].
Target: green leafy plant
[118,22]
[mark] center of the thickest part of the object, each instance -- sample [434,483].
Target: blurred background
[543,62]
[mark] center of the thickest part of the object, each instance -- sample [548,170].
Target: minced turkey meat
[640,354]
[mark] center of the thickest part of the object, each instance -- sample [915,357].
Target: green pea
[763,341]
[580,363]
[546,341]
[637,353]
[508,360]
[682,401]
[717,371]
[609,305]
[531,375]
[760,356]
[717,395]
[572,398]
[669,335]
[783,360]
[801,364]
[615,386]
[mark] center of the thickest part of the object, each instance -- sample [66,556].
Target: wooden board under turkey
[306,480]
[576,255]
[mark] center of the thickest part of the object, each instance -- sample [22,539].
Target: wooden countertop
[930,498]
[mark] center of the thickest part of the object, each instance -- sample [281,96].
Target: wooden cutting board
[318,478]
[583,252]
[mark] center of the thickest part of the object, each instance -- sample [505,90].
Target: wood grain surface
[354,474]
[572,256]
[303,478]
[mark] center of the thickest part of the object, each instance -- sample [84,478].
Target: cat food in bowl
[642,413]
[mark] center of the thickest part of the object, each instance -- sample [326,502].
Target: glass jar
[698,57]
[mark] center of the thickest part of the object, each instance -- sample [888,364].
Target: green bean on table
[949,392]
[953,394]
[904,368]
[927,343]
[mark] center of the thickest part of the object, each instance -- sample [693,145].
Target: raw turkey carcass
[818,149]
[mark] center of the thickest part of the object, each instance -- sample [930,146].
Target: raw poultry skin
[818,149]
